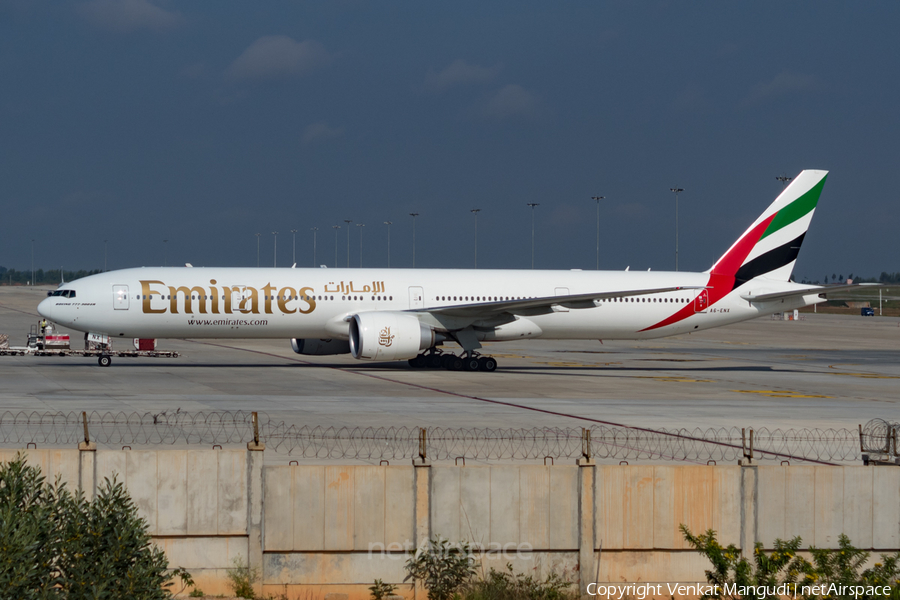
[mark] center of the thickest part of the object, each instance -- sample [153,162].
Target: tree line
[835,278]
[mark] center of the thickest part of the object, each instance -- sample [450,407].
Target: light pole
[348,221]
[32,262]
[532,205]
[475,212]
[275,252]
[104,255]
[315,231]
[257,250]
[784,179]
[389,223]
[360,225]
[165,253]
[676,190]
[294,246]
[598,199]
[335,227]
[414,215]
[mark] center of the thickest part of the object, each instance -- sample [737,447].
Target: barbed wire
[726,444]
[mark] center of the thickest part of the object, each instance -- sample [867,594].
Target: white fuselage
[157,302]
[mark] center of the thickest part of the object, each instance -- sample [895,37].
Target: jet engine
[315,347]
[388,336]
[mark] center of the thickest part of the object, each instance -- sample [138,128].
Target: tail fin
[770,246]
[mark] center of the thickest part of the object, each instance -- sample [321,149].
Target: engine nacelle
[388,336]
[313,347]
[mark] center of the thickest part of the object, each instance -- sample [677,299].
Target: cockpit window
[63,293]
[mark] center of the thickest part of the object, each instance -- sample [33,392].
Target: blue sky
[135,121]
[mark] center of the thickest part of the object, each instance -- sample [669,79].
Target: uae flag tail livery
[770,246]
[759,264]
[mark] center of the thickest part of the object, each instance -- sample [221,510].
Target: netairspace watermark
[402,551]
[640,591]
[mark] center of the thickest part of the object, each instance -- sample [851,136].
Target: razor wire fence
[220,428]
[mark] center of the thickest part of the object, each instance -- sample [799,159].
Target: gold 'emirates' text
[239,299]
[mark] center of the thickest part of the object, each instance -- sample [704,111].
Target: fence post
[255,455]
[423,445]
[747,455]
[586,452]
[87,462]
[896,447]
[587,565]
[751,444]
[87,444]
[422,482]
[749,510]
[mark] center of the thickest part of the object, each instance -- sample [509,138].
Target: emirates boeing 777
[407,314]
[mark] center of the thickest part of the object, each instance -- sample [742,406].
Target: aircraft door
[239,299]
[416,297]
[120,297]
[561,292]
[701,302]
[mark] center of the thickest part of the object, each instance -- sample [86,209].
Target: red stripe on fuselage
[721,276]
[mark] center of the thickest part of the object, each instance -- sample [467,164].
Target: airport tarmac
[822,371]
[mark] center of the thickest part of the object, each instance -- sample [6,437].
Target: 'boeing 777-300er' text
[407,314]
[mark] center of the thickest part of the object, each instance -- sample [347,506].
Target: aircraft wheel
[435,361]
[487,363]
[105,361]
[419,362]
[471,364]
[453,362]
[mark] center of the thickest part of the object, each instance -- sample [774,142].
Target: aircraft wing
[537,306]
[821,290]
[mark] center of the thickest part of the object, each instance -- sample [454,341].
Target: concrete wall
[314,530]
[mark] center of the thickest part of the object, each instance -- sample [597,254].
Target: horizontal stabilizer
[821,290]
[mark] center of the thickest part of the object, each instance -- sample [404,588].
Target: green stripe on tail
[796,209]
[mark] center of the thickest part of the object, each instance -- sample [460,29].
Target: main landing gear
[468,361]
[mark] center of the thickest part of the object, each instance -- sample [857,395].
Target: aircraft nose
[47,308]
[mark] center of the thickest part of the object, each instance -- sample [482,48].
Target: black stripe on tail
[771,260]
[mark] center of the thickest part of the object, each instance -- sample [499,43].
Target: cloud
[511,101]
[785,83]
[277,57]
[459,72]
[123,16]
[320,131]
